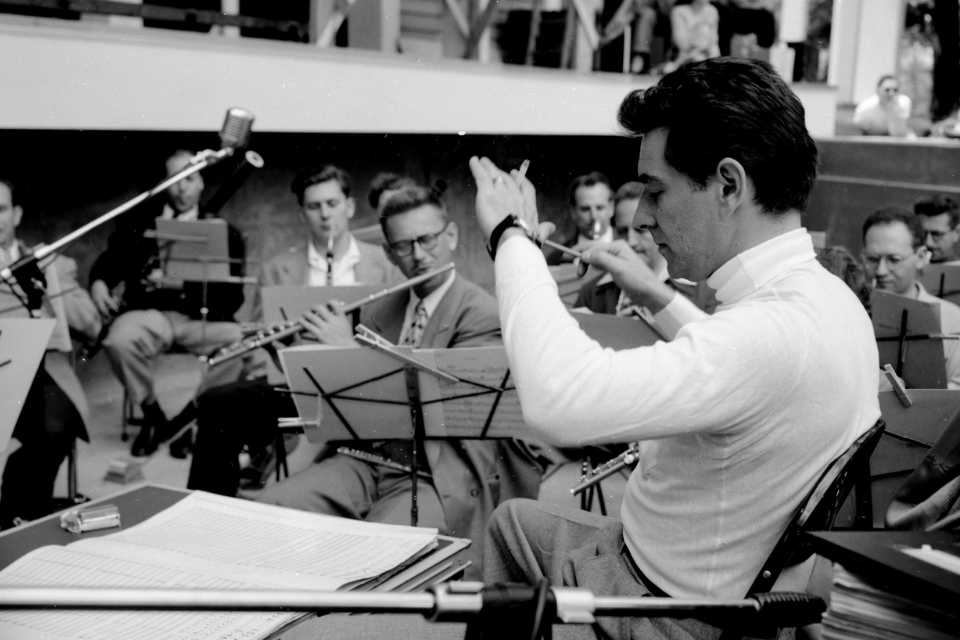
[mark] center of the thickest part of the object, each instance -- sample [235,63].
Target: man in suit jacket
[244,414]
[469,477]
[591,208]
[602,295]
[153,319]
[55,410]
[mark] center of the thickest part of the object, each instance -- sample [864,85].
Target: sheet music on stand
[912,349]
[361,394]
[22,344]
[194,251]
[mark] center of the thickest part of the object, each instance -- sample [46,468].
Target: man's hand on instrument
[500,194]
[106,303]
[329,325]
[631,273]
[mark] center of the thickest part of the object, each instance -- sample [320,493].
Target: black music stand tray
[388,392]
[908,335]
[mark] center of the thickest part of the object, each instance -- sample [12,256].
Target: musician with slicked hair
[244,414]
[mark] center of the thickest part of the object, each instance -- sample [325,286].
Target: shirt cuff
[675,315]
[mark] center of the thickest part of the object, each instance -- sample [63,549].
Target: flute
[628,458]
[293,327]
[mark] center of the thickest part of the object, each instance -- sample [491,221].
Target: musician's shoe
[182,446]
[143,444]
[155,427]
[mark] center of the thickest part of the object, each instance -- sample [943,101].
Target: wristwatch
[510,221]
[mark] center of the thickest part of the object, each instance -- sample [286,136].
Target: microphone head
[235,133]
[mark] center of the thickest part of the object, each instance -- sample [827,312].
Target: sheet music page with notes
[207,541]
[463,409]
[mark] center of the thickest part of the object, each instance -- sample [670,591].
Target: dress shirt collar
[430,302]
[190,215]
[748,271]
[343,267]
[606,236]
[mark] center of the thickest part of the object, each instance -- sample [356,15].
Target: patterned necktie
[415,332]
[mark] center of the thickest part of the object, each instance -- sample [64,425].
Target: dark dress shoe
[144,444]
[182,446]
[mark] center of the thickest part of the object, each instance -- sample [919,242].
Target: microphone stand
[500,611]
[26,270]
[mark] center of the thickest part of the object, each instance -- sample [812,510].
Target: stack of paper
[859,609]
[212,542]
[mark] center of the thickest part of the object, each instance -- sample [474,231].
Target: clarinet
[628,458]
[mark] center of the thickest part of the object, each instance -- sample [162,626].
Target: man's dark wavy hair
[315,174]
[736,108]
[410,197]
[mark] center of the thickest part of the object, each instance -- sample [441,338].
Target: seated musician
[742,411]
[893,256]
[590,199]
[55,409]
[603,295]
[149,319]
[469,477]
[245,413]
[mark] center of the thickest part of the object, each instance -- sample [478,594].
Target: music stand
[942,280]
[22,345]
[908,333]
[388,392]
[195,251]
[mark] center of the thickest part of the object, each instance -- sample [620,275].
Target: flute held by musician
[284,330]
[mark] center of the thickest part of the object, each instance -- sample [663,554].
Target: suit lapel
[439,330]
[294,270]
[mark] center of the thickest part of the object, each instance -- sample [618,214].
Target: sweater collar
[748,271]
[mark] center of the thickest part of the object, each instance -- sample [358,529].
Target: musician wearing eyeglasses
[149,317]
[244,414]
[469,477]
[893,256]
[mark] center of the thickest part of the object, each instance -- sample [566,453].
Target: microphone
[235,133]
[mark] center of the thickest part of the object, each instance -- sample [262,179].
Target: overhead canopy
[81,77]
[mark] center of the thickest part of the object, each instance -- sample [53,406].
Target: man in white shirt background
[893,256]
[886,112]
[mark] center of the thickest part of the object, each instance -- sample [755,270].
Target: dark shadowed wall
[66,179]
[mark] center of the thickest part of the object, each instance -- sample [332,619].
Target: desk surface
[135,504]
[877,557]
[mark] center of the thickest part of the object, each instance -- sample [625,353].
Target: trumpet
[281,330]
[591,477]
